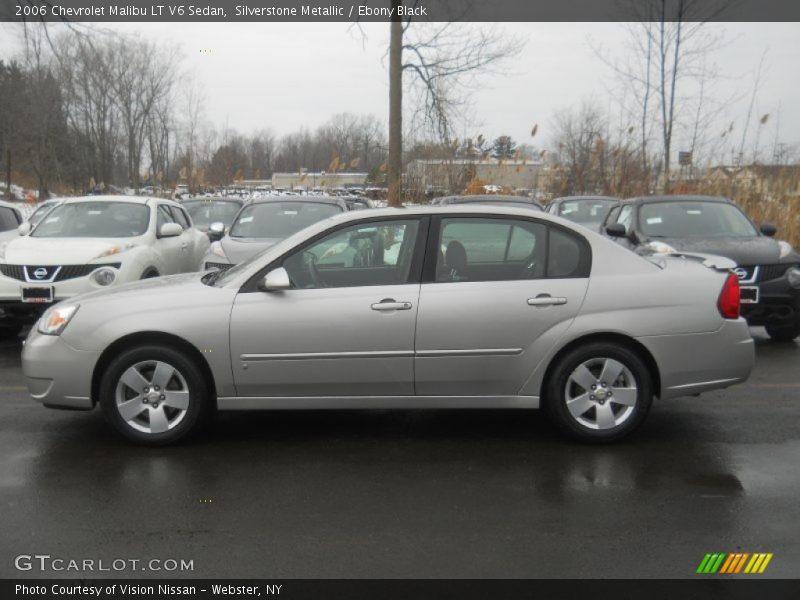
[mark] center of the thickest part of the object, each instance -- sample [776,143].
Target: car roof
[676,198]
[10,205]
[489,197]
[574,198]
[214,199]
[446,209]
[317,199]
[148,200]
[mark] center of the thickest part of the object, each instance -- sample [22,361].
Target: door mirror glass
[768,229]
[276,280]
[616,230]
[170,230]
[216,230]
[24,229]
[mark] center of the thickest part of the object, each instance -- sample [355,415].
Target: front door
[346,328]
[504,291]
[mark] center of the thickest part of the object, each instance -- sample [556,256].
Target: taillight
[728,302]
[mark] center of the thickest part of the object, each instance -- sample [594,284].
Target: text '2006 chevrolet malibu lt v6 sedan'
[431,307]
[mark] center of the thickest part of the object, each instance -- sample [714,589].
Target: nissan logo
[41,273]
[741,273]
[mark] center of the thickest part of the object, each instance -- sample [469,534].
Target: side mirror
[616,230]
[276,280]
[216,231]
[768,229]
[170,230]
[25,228]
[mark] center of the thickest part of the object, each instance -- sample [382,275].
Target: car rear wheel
[599,392]
[154,395]
[784,333]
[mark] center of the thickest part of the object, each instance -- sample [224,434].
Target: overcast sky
[283,76]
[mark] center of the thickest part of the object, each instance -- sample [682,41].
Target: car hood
[28,250]
[754,250]
[240,249]
[154,287]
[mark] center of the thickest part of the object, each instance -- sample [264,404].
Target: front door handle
[546,300]
[391,304]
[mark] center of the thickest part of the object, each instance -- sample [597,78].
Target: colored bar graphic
[733,563]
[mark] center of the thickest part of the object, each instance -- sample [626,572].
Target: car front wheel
[154,395]
[599,392]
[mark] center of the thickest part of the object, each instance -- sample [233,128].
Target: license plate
[748,294]
[40,295]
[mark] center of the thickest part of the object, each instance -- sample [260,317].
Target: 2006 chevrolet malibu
[430,307]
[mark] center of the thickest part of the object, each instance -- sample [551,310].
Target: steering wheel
[311,261]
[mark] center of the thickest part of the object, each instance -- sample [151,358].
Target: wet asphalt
[412,494]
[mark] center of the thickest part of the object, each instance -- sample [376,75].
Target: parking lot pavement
[413,494]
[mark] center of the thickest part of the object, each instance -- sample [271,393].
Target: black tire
[556,393]
[786,333]
[186,375]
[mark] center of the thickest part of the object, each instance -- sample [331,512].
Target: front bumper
[13,308]
[57,374]
[695,363]
[778,304]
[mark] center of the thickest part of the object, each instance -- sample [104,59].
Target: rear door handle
[546,300]
[390,304]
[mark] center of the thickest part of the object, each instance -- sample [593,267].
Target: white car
[92,243]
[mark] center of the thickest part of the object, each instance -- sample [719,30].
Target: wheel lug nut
[162,397]
[592,398]
[594,387]
[146,390]
[144,400]
[155,404]
[155,388]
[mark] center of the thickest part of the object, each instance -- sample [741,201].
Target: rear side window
[567,256]
[481,249]
[8,219]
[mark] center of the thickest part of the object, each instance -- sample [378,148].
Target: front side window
[360,255]
[8,219]
[95,219]
[280,219]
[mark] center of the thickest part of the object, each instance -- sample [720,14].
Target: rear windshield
[694,219]
[280,219]
[95,219]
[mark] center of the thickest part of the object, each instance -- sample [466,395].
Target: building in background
[454,175]
[310,180]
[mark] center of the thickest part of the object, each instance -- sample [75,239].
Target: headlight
[216,248]
[104,276]
[660,248]
[56,319]
[794,277]
[786,249]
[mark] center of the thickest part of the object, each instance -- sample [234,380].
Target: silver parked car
[430,307]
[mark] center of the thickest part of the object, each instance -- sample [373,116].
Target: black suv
[768,270]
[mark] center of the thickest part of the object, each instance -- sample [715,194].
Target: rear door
[496,294]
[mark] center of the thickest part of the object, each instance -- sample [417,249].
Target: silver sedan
[430,307]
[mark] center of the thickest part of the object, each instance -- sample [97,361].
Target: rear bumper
[695,363]
[57,374]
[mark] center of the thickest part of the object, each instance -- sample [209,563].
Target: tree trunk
[8,174]
[395,166]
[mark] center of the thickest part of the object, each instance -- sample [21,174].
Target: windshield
[585,211]
[206,212]
[39,213]
[694,219]
[95,219]
[280,219]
